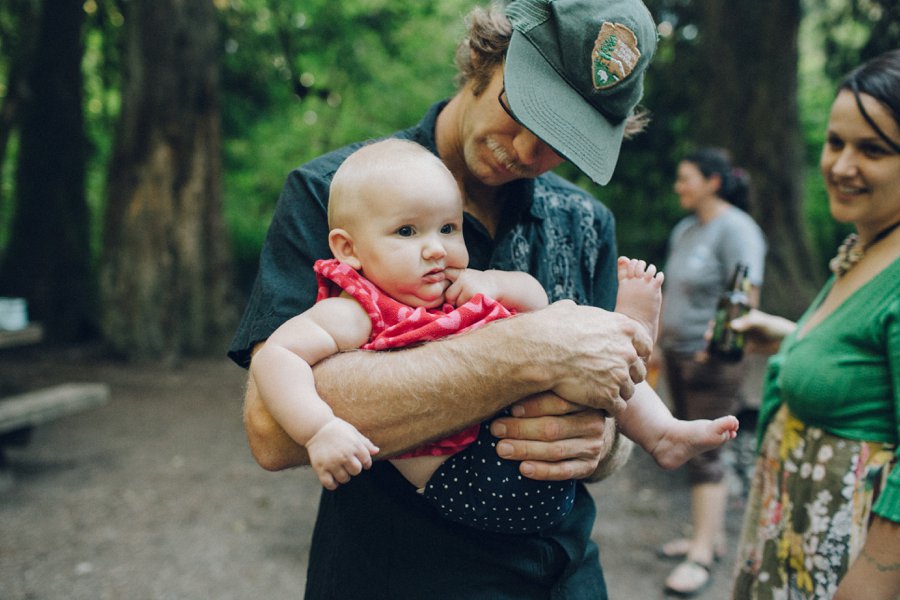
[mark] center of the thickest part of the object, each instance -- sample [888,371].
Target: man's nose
[534,153]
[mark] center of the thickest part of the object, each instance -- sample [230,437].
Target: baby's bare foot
[640,292]
[686,439]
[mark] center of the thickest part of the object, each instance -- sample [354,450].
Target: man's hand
[598,356]
[554,439]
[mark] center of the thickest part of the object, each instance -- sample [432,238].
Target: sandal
[694,572]
[678,548]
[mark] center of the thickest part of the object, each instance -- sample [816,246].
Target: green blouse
[843,375]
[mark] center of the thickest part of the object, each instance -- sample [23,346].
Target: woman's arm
[875,574]
[401,399]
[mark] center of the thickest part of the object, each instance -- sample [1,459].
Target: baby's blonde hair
[374,164]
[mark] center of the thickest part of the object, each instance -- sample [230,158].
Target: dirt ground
[155,496]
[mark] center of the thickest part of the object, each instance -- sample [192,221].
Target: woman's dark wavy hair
[879,78]
[735,188]
[483,49]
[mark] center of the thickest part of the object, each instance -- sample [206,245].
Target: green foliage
[816,92]
[102,71]
[301,77]
[851,31]
[6,189]
[304,77]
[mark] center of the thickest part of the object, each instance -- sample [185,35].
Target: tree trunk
[48,259]
[165,276]
[751,53]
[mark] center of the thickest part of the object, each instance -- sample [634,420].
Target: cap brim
[557,114]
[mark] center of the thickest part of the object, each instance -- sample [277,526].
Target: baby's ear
[341,244]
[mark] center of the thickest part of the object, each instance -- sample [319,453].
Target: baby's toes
[623,265]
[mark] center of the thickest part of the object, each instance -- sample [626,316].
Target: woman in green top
[823,517]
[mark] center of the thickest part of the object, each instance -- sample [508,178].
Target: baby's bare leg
[640,292]
[419,469]
[671,442]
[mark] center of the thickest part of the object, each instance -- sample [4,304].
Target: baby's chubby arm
[513,289]
[281,371]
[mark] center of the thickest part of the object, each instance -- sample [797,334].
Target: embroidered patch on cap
[615,55]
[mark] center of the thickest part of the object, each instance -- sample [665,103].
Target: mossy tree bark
[165,270]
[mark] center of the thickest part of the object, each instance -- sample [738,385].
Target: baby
[399,277]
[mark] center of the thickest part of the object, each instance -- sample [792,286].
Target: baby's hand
[468,283]
[339,451]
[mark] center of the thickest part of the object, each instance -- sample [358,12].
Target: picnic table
[21,413]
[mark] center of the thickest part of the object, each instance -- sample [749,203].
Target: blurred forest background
[143,143]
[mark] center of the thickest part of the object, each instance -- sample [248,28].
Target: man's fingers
[553,448]
[618,405]
[544,404]
[638,371]
[558,471]
[587,448]
[642,342]
[548,429]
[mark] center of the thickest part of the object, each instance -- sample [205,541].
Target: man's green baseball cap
[575,72]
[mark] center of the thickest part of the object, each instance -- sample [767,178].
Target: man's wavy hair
[483,49]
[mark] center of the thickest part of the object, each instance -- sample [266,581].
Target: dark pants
[704,391]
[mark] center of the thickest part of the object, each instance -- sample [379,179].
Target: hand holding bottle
[762,331]
[725,343]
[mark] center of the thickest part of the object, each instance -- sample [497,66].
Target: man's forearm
[401,399]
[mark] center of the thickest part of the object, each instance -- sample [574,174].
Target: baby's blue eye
[448,228]
[405,231]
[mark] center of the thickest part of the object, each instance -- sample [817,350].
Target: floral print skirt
[808,510]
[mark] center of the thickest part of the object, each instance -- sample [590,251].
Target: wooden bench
[21,413]
[33,408]
[32,334]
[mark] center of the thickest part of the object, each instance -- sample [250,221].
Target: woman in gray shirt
[704,249]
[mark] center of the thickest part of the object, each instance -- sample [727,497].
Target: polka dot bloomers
[475,487]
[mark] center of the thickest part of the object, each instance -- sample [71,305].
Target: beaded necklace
[849,252]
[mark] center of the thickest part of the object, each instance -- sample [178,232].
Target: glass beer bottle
[726,343]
